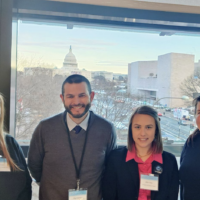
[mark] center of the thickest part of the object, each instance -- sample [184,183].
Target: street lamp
[183,98]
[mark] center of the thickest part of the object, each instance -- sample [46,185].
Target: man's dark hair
[76,78]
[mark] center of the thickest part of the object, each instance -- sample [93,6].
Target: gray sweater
[50,160]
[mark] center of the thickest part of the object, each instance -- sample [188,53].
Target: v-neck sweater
[50,160]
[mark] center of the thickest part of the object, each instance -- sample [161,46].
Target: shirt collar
[132,155]
[71,124]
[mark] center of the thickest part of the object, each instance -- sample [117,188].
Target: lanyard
[78,170]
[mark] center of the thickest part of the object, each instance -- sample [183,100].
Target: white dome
[70,59]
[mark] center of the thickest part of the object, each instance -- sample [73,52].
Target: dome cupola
[70,60]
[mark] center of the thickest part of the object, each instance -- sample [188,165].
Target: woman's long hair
[3,146]
[196,131]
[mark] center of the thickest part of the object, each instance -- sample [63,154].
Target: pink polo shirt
[144,168]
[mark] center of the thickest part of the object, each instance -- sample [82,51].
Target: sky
[98,49]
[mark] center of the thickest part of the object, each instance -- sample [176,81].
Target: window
[150,65]
[126,69]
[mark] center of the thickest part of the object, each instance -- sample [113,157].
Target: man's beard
[87,107]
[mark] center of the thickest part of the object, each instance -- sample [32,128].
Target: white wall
[147,84]
[132,77]
[163,78]
[173,68]
[147,67]
[182,66]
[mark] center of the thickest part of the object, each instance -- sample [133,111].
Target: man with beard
[69,151]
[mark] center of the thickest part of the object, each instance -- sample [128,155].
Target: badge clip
[78,184]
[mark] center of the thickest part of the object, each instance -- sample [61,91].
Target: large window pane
[126,69]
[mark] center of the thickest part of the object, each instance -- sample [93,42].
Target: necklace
[143,155]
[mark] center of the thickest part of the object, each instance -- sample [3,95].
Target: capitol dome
[70,60]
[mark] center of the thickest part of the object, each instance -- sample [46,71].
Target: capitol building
[70,66]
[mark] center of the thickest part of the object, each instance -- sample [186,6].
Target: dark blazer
[190,170]
[15,185]
[121,180]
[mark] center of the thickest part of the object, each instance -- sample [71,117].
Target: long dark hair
[157,145]
[196,131]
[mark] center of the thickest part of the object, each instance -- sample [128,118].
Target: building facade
[161,78]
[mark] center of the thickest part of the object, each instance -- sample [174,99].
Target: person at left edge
[15,181]
[144,156]
[50,157]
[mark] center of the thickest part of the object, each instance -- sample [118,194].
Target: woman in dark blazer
[190,162]
[15,181]
[144,155]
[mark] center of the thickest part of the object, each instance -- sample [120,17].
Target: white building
[70,62]
[70,67]
[197,68]
[161,78]
[142,77]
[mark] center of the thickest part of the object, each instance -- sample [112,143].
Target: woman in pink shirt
[142,170]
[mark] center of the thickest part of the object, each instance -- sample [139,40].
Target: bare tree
[37,97]
[191,85]
[113,105]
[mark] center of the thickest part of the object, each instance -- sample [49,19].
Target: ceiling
[184,6]
[139,14]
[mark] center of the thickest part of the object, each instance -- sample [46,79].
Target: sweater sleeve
[36,154]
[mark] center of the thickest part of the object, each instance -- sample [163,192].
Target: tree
[37,97]
[191,85]
[112,105]
[99,78]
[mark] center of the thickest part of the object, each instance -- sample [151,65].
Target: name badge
[149,182]
[77,194]
[4,167]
